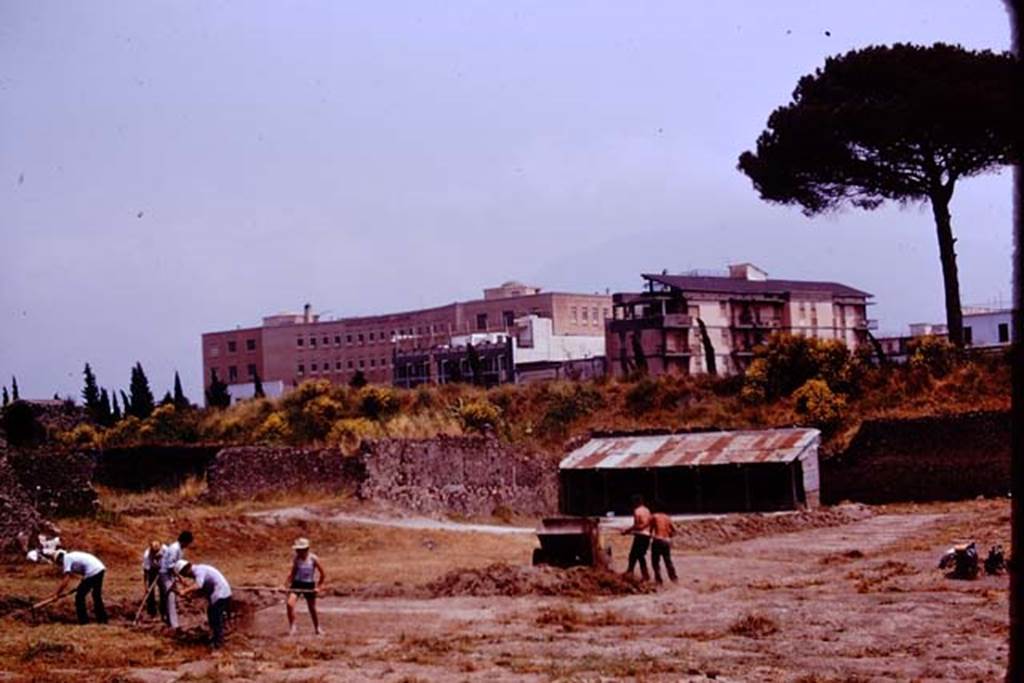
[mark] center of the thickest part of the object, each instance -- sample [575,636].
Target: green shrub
[819,405]
[934,354]
[350,432]
[567,402]
[478,415]
[378,403]
[642,397]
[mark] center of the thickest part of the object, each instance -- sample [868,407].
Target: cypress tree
[91,393]
[167,400]
[125,404]
[180,400]
[106,417]
[141,403]
[217,396]
[7,399]
[14,389]
[115,413]
[358,380]
[257,386]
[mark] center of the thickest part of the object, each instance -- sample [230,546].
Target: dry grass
[754,626]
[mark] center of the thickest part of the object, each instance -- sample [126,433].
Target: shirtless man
[641,531]
[661,546]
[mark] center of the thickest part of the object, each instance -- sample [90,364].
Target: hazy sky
[169,168]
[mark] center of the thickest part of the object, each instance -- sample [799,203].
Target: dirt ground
[847,595]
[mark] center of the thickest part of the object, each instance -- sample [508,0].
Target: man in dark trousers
[662,531]
[211,584]
[91,572]
[641,531]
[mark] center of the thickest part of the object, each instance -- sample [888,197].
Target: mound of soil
[710,532]
[508,580]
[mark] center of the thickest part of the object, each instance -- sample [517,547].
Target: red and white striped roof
[691,450]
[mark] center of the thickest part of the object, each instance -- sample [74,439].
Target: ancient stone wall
[58,483]
[468,476]
[931,458]
[17,516]
[464,475]
[246,472]
[140,468]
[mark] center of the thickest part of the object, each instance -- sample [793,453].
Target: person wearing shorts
[305,578]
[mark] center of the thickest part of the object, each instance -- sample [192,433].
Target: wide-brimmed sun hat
[301,544]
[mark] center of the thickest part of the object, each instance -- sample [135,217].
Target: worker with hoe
[662,531]
[215,588]
[151,573]
[90,572]
[303,580]
[171,555]
[641,530]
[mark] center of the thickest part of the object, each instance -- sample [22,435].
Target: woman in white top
[91,572]
[302,580]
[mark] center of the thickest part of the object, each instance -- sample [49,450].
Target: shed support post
[792,486]
[746,485]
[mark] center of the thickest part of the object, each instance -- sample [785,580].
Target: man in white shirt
[172,554]
[215,588]
[91,572]
[150,573]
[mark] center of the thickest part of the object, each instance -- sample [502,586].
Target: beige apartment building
[290,348]
[660,327]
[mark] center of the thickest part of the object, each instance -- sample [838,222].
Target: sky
[171,168]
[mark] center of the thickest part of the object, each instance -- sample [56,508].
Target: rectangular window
[362,363]
[337,365]
[232,372]
[302,368]
[232,346]
[1004,333]
[348,338]
[481,321]
[371,336]
[509,318]
[360,338]
[312,367]
[251,369]
[250,344]
[593,316]
[605,311]
[968,336]
[373,362]
[337,340]
[586,315]
[312,342]
[574,314]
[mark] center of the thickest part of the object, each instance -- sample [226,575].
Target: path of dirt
[856,602]
[415,523]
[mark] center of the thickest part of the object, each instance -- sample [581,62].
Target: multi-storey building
[660,329]
[290,348]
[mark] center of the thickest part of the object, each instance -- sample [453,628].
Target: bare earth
[857,602]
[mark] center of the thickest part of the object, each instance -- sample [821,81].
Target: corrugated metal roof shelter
[763,470]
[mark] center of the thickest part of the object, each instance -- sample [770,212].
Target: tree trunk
[947,253]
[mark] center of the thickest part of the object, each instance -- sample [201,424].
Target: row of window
[325,366]
[250,345]
[250,371]
[379,336]
[592,316]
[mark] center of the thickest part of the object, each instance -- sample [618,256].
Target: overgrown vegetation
[791,381]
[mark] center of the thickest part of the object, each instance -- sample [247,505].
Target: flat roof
[693,450]
[735,285]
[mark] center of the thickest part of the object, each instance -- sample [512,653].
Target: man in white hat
[215,588]
[170,555]
[302,580]
[91,572]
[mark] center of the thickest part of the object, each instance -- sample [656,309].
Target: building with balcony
[665,328]
[985,328]
[290,348]
[528,351]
